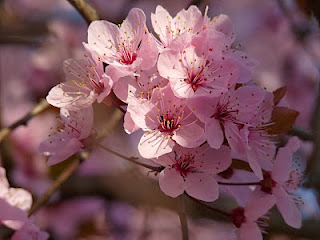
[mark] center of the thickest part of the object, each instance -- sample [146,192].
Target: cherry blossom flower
[260,149]
[197,74]
[222,24]
[139,86]
[126,48]
[167,28]
[250,221]
[86,83]
[191,170]
[234,108]
[14,204]
[282,181]
[74,137]
[166,120]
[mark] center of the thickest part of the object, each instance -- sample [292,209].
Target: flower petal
[171,182]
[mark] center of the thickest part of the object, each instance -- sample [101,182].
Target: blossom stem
[42,106]
[209,207]
[239,184]
[133,160]
[117,105]
[183,218]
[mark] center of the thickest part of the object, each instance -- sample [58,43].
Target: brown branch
[44,198]
[305,136]
[132,159]
[42,106]
[85,9]
[183,217]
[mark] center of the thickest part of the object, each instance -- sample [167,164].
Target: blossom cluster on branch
[190,91]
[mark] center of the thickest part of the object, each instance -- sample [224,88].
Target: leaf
[283,119]
[279,94]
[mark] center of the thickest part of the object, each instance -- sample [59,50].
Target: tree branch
[42,106]
[44,198]
[183,217]
[85,9]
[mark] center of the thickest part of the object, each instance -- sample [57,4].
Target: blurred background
[109,198]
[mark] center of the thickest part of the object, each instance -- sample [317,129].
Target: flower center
[237,217]
[168,124]
[184,164]
[267,183]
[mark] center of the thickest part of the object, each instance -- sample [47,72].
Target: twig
[183,218]
[57,183]
[208,207]
[132,159]
[301,134]
[239,184]
[42,106]
[85,9]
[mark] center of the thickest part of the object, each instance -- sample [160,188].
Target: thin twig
[42,106]
[44,198]
[183,217]
[85,9]
[132,159]
[208,207]
[239,184]
[305,136]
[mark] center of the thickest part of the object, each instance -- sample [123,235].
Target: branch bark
[85,9]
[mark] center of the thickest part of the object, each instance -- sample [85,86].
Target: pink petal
[202,186]
[59,147]
[4,184]
[259,204]
[254,164]
[287,207]
[189,136]
[171,182]
[234,138]
[214,133]
[148,52]
[154,144]
[282,165]
[250,231]
[223,24]
[213,160]
[129,125]
[70,96]
[161,19]
[102,38]
[169,65]
[12,216]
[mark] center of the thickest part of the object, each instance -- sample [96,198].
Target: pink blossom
[86,83]
[233,109]
[250,220]
[72,138]
[139,86]
[126,48]
[166,120]
[167,28]
[191,170]
[222,24]
[260,149]
[282,181]
[198,74]
[14,204]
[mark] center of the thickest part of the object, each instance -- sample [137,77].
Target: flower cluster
[190,91]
